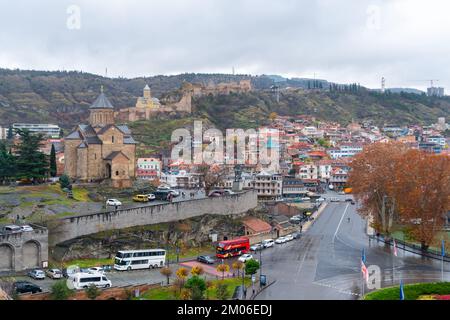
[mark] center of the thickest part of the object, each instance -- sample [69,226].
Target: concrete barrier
[76,226]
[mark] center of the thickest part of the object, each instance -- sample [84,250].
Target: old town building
[101,150]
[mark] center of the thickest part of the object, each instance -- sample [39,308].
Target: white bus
[82,280]
[139,259]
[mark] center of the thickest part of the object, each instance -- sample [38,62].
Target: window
[112,139]
[117,173]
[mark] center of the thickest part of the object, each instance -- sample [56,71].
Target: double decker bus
[139,259]
[232,248]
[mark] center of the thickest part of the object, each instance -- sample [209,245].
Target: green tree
[92,292]
[7,164]
[197,287]
[53,169]
[31,162]
[251,266]
[222,291]
[60,291]
[64,181]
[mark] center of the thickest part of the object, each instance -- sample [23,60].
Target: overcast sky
[406,41]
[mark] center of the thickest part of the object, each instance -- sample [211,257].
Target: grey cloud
[293,38]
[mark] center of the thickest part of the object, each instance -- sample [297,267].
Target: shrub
[92,292]
[197,287]
[60,291]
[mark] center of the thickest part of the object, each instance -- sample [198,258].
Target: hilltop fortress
[147,106]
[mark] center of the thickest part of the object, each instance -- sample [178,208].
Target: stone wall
[24,250]
[73,227]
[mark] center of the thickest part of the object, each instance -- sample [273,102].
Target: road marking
[342,218]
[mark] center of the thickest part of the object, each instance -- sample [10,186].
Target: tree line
[400,186]
[24,160]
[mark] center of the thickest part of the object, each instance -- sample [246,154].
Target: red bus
[231,248]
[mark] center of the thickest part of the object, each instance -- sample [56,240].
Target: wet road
[325,262]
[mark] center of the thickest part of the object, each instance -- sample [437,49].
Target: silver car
[37,274]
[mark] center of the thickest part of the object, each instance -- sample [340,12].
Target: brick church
[101,150]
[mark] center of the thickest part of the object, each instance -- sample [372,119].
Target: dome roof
[101,102]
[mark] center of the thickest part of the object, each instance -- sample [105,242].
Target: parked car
[95,270]
[162,187]
[151,197]
[245,257]
[353,202]
[267,243]
[305,198]
[26,287]
[280,240]
[256,247]
[70,271]
[341,192]
[334,199]
[26,228]
[113,202]
[215,193]
[37,274]
[297,235]
[174,193]
[12,228]
[320,199]
[206,259]
[54,274]
[348,199]
[140,198]
[289,237]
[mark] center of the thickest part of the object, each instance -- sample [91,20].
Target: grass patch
[231,283]
[163,293]
[191,252]
[411,291]
[167,293]
[86,263]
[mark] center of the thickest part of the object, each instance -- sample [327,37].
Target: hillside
[64,98]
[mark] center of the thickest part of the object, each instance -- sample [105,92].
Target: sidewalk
[315,215]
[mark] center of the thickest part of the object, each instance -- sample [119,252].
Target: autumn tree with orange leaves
[423,193]
[390,180]
[372,180]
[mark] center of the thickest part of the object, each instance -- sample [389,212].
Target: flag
[364,270]
[395,249]
[443,248]
[402,293]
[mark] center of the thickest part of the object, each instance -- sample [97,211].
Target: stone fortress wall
[73,227]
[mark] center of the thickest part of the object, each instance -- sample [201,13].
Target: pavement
[325,263]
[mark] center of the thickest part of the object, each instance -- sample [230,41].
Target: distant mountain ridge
[63,98]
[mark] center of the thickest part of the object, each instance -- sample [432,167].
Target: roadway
[325,263]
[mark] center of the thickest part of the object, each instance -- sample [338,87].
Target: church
[101,150]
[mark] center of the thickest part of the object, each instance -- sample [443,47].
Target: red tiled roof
[257,225]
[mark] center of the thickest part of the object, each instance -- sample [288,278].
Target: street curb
[265,287]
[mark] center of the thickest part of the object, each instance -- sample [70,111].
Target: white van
[267,243]
[83,280]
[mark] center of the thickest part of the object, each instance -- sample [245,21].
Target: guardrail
[410,247]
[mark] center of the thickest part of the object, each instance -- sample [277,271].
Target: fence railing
[411,247]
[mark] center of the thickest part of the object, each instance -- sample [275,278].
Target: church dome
[101,102]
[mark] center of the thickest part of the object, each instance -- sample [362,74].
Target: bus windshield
[120,262]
